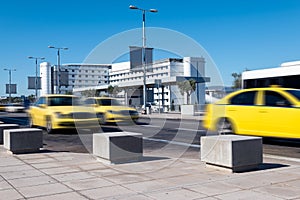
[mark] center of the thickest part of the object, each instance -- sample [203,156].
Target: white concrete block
[188,110]
[118,147]
[23,140]
[4,127]
[234,152]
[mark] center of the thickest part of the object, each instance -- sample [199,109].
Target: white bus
[287,75]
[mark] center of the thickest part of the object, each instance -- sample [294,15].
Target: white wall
[45,74]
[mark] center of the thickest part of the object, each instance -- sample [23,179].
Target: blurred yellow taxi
[111,110]
[61,112]
[267,112]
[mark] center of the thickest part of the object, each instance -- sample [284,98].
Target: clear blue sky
[237,34]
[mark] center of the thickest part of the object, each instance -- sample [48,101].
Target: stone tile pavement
[65,175]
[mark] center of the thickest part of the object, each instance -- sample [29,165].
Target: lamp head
[133,7]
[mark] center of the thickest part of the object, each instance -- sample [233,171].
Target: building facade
[72,76]
[161,80]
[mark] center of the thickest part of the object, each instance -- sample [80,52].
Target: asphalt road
[164,137]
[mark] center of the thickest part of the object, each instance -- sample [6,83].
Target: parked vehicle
[267,112]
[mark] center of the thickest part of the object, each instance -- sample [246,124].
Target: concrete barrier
[118,147]
[23,140]
[4,127]
[233,152]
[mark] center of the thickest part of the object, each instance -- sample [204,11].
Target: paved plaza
[67,175]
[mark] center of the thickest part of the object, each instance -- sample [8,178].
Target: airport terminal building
[161,77]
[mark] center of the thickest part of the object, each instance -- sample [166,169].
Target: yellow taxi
[110,110]
[55,112]
[266,112]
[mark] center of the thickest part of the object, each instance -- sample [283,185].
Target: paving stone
[47,165]
[5,185]
[179,193]
[63,196]
[60,170]
[105,192]
[148,186]
[72,176]
[32,181]
[9,161]
[280,190]
[41,160]
[247,194]
[168,172]
[21,174]
[131,197]
[93,166]
[15,168]
[213,188]
[105,172]
[127,178]
[88,183]
[43,190]
[10,194]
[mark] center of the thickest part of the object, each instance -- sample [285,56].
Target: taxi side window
[245,98]
[276,99]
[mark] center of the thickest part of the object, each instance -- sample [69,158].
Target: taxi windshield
[64,101]
[295,93]
[108,102]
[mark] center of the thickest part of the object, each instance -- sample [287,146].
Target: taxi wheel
[224,126]
[49,128]
[102,118]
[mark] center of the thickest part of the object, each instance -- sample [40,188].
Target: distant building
[80,75]
[162,79]
[167,72]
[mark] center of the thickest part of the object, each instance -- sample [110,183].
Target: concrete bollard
[234,152]
[23,140]
[118,147]
[4,127]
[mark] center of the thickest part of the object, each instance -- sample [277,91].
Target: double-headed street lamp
[9,86]
[36,72]
[144,46]
[58,66]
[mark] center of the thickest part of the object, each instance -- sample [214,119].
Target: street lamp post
[9,85]
[36,72]
[144,47]
[58,65]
